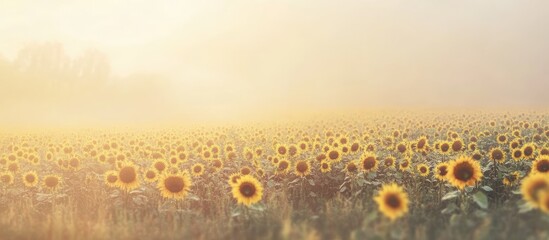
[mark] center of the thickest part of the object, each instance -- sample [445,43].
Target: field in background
[313,179]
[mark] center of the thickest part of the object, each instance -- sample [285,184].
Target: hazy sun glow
[226,60]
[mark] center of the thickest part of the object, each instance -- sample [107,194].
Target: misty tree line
[48,62]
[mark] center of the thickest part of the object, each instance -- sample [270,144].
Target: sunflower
[516,154]
[325,166]
[392,201]
[283,166]
[533,186]
[74,163]
[422,169]
[217,165]
[544,151]
[293,150]
[247,190]
[502,139]
[151,175]
[457,145]
[281,149]
[127,176]
[389,162]
[422,143]
[302,168]
[233,178]
[110,178]
[405,164]
[245,170]
[441,171]
[472,146]
[30,179]
[477,155]
[52,182]
[444,147]
[464,171]
[541,165]
[6,178]
[514,144]
[402,147]
[528,150]
[160,165]
[351,167]
[174,186]
[511,179]
[496,154]
[197,169]
[334,155]
[368,162]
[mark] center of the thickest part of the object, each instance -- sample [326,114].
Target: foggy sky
[236,57]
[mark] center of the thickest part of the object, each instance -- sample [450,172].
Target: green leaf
[487,188]
[450,195]
[343,189]
[469,189]
[481,199]
[449,209]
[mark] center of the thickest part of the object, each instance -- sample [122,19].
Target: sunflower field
[377,175]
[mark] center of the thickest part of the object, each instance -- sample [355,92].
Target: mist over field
[133,61]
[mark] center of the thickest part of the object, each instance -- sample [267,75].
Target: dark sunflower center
[351,168]
[444,147]
[421,143]
[282,165]
[401,148]
[174,184]
[245,171]
[112,178]
[151,174]
[517,154]
[247,189]
[423,169]
[388,162]
[528,151]
[354,147]
[30,178]
[282,150]
[404,164]
[197,169]
[74,162]
[369,163]
[443,170]
[217,164]
[160,166]
[497,155]
[302,167]
[325,166]
[543,166]
[456,146]
[127,174]
[293,150]
[333,155]
[463,171]
[51,182]
[393,201]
